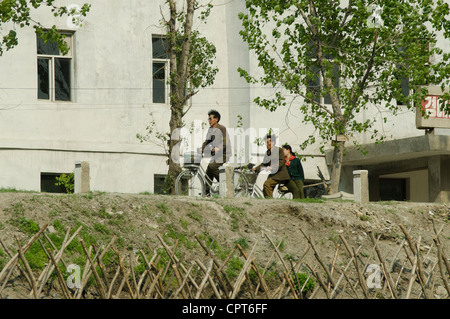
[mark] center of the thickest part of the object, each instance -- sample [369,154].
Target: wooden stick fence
[167,275]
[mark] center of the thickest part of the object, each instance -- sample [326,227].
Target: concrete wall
[417,186]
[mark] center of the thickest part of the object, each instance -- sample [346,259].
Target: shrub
[67,181]
[300,281]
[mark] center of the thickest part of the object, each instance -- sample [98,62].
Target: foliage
[301,280]
[362,66]
[18,13]
[66,180]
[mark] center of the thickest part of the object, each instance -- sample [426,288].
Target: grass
[236,213]
[195,215]
[309,200]
[300,281]
[242,242]
[364,218]
[164,209]
[13,190]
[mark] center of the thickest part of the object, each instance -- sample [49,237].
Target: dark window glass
[159,82]
[314,83]
[49,48]
[160,48]
[62,79]
[393,189]
[48,183]
[43,79]
[160,184]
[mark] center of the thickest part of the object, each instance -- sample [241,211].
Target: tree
[342,58]
[17,13]
[191,58]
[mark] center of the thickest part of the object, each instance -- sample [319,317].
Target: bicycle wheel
[240,184]
[190,183]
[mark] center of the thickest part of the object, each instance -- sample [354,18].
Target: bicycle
[254,191]
[193,181]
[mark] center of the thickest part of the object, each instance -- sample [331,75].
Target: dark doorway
[393,189]
[48,183]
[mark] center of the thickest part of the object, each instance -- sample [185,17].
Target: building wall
[112,100]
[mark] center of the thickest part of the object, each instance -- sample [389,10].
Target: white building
[89,105]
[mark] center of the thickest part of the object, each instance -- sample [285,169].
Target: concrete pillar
[439,179]
[361,186]
[81,178]
[226,185]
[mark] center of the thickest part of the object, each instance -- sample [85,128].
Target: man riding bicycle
[215,145]
[274,162]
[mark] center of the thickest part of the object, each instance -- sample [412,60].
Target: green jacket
[295,170]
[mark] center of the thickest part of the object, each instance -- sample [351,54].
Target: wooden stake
[216,262]
[240,279]
[28,268]
[350,284]
[49,269]
[108,296]
[319,279]
[183,283]
[22,271]
[334,263]
[319,259]
[255,269]
[13,260]
[342,275]
[362,282]
[291,286]
[153,284]
[441,266]
[59,275]
[100,287]
[413,277]
[176,260]
[411,246]
[125,273]
[383,265]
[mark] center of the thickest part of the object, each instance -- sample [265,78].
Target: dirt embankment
[137,220]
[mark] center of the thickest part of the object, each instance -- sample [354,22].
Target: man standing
[216,144]
[274,161]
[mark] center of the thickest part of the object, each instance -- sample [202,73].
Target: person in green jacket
[295,169]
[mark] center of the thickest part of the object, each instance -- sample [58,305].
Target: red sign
[432,107]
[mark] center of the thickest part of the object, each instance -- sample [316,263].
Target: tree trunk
[339,126]
[336,168]
[174,167]
[178,81]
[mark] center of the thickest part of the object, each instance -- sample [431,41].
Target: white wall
[113,99]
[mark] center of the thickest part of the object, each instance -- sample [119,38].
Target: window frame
[164,61]
[70,40]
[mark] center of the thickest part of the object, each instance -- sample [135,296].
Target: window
[160,185]
[48,183]
[394,189]
[315,79]
[404,80]
[160,68]
[421,46]
[54,71]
